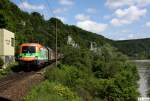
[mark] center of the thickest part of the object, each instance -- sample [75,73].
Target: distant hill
[137,48]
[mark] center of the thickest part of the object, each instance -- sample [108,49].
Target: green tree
[3,22]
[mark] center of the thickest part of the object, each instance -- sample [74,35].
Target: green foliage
[4,72]
[67,75]
[81,58]
[51,91]
[61,75]
[2,21]
[70,76]
[106,76]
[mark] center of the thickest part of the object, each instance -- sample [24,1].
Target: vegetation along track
[16,85]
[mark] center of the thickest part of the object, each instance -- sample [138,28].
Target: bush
[72,77]
[79,58]
[51,91]
[67,75]
[4,72]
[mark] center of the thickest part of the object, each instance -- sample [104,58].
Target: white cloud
[66,2]
[92,26]
[121,13]
[128,16]
[122,3]
[131,36]
[148,24]
[84,22]
[26,5]
[119,22]
[131,13]
[59,10]
[118,3]
[91,10]
[82,17]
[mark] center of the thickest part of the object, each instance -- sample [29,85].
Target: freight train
[34,54]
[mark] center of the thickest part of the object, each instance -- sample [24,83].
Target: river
[144,73]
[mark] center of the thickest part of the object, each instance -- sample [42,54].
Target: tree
[2,21]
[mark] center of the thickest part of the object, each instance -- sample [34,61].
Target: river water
[144,73]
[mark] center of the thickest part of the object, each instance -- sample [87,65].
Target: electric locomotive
[34,54]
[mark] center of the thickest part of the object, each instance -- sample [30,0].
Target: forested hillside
[136,49]
[82,75]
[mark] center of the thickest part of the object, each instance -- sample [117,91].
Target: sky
[114,19]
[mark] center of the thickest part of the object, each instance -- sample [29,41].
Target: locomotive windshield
[28,49]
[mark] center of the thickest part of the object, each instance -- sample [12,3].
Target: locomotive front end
[32,54]
[28,55]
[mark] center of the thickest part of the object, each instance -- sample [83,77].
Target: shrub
[65,74]
[72,77]
[4,72]
[52,91]
[77,57]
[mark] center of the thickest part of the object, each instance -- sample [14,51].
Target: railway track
[11,78]
[16,85]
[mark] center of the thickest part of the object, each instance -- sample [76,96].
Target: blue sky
[114,19]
